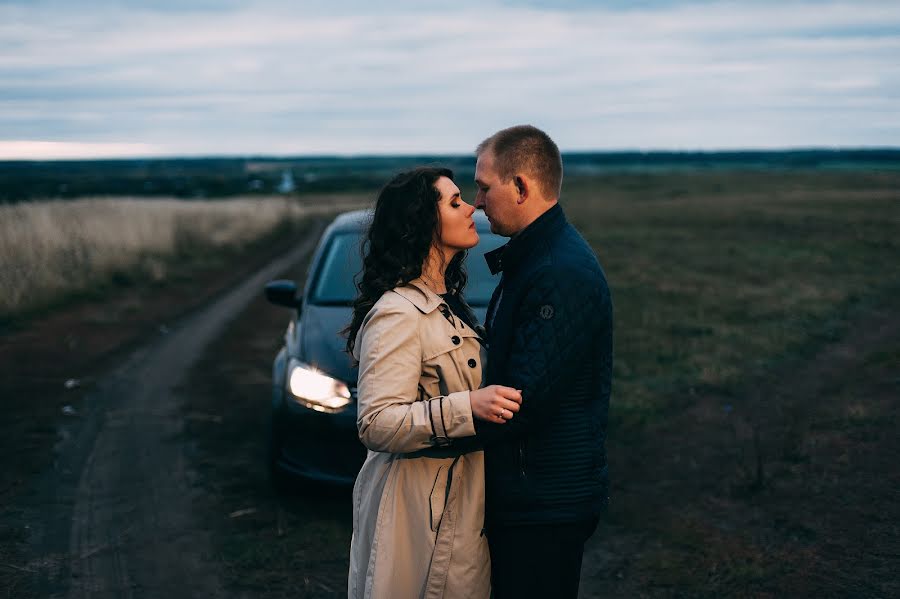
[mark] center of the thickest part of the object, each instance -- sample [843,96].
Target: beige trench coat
[417,519]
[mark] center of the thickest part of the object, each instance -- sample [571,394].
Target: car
[311,431]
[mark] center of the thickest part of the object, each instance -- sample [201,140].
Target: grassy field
[51,251]
[720,278]
[753,420]
[749,456]
[752,438]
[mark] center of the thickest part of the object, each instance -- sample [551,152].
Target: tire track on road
[114,519]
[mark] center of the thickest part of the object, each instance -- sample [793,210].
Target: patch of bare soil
[74,343]
[268,545]
[48,366]
[789,491]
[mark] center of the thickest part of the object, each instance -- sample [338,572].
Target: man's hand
[495,403]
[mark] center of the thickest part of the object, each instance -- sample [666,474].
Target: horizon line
[359,156]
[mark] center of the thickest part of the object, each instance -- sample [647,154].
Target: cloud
[269,77]
[42,150]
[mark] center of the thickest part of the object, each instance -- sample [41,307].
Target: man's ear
[522,188]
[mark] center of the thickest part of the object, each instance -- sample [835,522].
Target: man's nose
[479,201]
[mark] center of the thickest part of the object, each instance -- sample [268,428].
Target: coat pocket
[438,497]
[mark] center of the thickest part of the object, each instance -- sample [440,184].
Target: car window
[341,261]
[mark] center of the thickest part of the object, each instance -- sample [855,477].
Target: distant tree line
[220,177]
[201,177]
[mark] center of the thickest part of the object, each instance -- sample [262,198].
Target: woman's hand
[495,403]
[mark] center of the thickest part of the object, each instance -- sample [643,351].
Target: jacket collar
[508,257]
[420,296]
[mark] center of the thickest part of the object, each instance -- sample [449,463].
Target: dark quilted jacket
[551,337]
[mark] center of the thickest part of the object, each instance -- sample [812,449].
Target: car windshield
[342,260]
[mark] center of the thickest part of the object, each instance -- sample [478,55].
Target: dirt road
[113,518]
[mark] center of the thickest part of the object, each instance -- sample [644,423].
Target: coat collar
[420,296]
[509,256]
[427,301]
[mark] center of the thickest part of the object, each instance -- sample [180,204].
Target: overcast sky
[167,77]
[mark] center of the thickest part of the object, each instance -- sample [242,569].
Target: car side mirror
[284,293]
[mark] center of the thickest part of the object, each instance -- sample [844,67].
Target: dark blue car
[312,426]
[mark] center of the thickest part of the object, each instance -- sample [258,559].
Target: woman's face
[455,220]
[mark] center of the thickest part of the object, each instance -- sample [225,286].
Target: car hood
[322,345]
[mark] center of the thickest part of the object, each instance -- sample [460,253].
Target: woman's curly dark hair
[403,229]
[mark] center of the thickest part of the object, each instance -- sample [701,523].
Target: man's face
[496,198]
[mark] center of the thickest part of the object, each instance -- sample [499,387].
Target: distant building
[287,182]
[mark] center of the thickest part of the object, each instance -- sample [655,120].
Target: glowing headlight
[316,390]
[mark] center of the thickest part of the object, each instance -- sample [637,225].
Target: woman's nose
[471,209]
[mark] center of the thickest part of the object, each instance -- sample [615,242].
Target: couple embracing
[486,470]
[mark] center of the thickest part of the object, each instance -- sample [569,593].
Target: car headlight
[316,390]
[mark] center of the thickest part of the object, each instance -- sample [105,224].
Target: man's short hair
[527,149]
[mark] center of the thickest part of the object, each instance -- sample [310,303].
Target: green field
[753,418]
[720,278]
[752,459]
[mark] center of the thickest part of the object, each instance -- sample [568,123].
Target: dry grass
[719,279]
[50,249]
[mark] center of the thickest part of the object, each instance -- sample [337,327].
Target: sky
[273,77]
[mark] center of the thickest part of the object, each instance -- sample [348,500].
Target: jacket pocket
[438,497]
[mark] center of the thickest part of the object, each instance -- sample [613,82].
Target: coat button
[472,363]
[455,340]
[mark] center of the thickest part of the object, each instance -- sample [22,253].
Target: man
[550,335]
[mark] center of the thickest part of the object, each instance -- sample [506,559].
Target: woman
[418,505]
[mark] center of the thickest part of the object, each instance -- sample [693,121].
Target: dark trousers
[541,560]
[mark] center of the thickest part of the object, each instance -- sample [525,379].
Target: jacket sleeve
[392,416]
[556,324]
